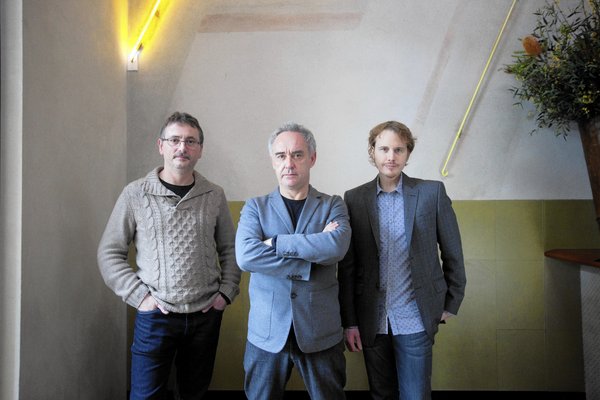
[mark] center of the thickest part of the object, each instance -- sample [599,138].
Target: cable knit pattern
[148,221]
[184,246]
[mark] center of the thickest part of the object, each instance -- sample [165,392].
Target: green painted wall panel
[519,327]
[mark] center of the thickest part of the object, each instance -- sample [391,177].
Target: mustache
[181,154]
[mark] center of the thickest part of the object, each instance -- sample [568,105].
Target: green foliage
[560,73]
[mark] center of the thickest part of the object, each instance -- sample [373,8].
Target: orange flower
[532,45]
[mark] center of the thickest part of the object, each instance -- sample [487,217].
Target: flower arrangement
[559,66]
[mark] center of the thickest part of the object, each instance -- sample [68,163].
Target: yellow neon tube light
[139,43]
[462,124]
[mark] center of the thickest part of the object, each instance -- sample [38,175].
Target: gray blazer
[295,282]
[432,236]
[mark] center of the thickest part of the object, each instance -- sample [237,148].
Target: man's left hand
[446,315]
[219,304]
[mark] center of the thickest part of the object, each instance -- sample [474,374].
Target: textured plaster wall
[340,68]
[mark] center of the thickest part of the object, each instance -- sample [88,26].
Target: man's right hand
[332,226]
[149,304]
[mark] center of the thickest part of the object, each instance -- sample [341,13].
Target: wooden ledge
[589,257]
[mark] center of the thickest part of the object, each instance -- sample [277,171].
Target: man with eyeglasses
[186,272]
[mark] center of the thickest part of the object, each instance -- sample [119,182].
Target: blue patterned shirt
[397,304]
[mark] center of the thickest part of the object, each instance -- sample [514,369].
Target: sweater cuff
[227,299]
[137,296]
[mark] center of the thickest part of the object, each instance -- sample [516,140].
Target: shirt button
[293,296]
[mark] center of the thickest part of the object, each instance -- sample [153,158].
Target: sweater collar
[153,186]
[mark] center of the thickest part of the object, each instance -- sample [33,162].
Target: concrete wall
[70,327]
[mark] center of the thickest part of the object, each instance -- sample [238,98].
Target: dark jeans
[399,367]
[159,339]
[323,372]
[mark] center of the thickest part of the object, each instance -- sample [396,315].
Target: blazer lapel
[310,206]
[372,212]
[281,210]
[411,194]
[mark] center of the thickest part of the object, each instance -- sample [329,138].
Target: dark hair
[294,127]
[399,128]
[183,118]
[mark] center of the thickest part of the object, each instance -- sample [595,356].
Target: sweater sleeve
[225,240]
[113,253]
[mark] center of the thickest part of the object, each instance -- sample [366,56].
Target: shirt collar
[398,188]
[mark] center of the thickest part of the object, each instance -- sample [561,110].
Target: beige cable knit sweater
[184,246]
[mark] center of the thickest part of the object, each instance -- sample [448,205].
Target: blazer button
[293,296]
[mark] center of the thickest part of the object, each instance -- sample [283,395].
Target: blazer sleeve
[346,279]
[451,253]
[347,289]
[253,255]
[322,247]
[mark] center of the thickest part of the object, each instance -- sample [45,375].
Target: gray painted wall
[71,328]
[11,84]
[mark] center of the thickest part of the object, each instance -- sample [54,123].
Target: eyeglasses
[175,142]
